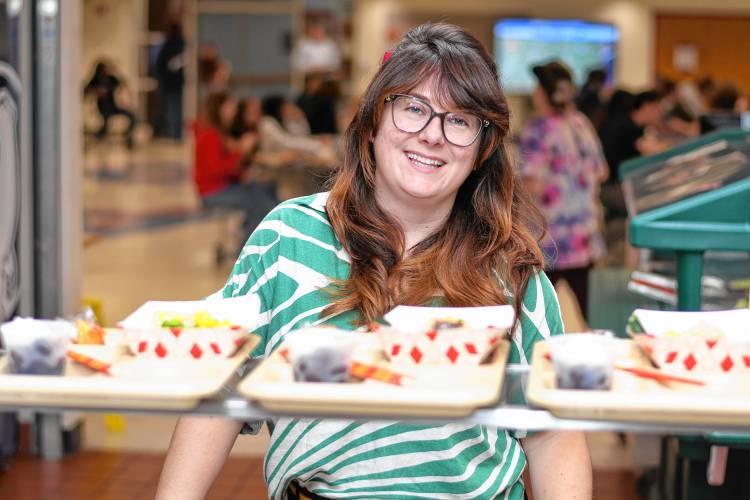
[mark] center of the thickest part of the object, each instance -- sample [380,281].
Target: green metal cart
[689,200]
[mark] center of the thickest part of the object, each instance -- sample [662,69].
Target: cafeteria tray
[138,383]
[723,400]
[434,391]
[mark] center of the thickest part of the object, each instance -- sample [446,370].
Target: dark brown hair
[487,246]
[556,81]
[211,114]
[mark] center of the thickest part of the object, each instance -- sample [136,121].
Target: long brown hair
[211,113]
[488,247]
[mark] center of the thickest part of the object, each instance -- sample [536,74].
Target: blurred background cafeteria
[141,141]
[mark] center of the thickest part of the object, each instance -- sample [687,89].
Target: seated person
[246,124]
[219,174]
[104,85]
[726,107]
[318,103]
[284,127]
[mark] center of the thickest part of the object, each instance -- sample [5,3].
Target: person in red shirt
[219,170]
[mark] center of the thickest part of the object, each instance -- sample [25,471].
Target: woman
[422,209]
[563,167]
[219,164]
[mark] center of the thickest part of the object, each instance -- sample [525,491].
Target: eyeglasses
[411,114]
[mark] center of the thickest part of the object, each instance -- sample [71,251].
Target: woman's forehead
[437,91]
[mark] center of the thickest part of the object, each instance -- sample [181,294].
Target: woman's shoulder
[309,205]
[306,214]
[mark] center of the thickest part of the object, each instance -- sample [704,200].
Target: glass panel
[709,167]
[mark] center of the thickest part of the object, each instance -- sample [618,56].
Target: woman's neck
[417,221]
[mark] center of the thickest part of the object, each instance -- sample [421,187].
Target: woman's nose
[433,132]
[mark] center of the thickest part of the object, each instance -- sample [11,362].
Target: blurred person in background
[220,178]
[562,166]
[208,59]
[170,73]
[248,117]
[623,134]
[426,180]
[318,103]
[589,100]
[317,51]
[109,91]
[678,125]
[666,89]
[725,109]
[213,71]
[283,127]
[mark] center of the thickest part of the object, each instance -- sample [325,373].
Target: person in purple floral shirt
[563,165]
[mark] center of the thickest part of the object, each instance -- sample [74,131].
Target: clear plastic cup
[583,360]
[37,347]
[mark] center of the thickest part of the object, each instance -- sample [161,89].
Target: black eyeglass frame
[391,98]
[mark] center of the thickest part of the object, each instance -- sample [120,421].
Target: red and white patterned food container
[712,342]
[413,339]
[192,343]
[144,338]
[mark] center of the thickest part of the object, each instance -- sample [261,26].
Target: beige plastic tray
[723,400]
[138,383]
[436,391]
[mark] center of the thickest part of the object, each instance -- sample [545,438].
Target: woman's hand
[559,465]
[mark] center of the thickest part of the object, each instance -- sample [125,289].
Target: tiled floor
[148,244]
[125,476]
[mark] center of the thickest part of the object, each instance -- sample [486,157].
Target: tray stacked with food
[426,361]
[166,355]
[677,367]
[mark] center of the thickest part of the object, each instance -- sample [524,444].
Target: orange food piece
[89,333]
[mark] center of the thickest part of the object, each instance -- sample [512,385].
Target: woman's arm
[197,452]
[559,465]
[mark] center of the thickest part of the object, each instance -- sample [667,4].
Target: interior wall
[711,37]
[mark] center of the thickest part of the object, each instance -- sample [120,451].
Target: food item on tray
[327,354]
[197,335]
[200,319]
[693,348]
[37,347]
[446,323]
[88,329]
[324,364]
[582,361]
[88,332]
[446,342]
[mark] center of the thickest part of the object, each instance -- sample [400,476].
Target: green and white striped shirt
[291,255]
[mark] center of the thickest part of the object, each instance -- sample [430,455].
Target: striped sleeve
[540,319]
[254,272]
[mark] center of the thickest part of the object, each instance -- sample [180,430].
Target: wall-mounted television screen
[523,43]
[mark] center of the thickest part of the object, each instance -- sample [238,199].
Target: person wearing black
[318,103]
[169,71]
[589,100]
[724,110]
[622,136]
[103,85]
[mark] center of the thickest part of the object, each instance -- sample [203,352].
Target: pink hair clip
[386,56]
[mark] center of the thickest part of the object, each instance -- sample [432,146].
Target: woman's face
[423,166]
[228,111]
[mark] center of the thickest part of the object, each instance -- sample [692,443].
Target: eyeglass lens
[412,115]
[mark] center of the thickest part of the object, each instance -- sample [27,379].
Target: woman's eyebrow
[450,109]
